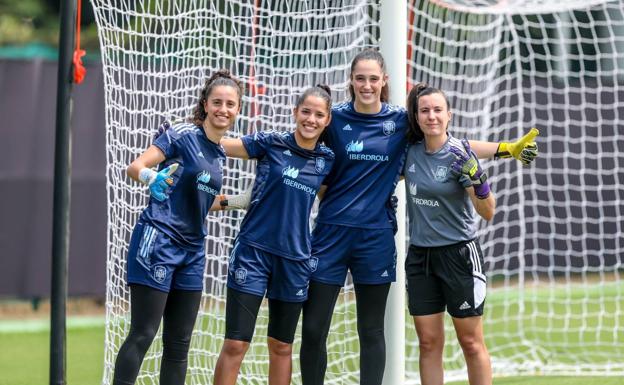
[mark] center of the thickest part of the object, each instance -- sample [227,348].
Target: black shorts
[450,277]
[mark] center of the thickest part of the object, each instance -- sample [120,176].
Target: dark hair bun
[420,87]
[325,88]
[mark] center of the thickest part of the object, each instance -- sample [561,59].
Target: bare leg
[430,330]
[280,362]
[229,362]
[470,335]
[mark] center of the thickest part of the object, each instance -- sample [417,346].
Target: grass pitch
[24,345]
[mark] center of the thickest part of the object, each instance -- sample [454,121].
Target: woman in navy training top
[166,256]
[271,254]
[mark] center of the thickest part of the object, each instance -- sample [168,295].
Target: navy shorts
[154,260]
[450,277]
[255,271]
[370,255]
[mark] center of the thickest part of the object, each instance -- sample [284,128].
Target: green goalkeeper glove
[524,149]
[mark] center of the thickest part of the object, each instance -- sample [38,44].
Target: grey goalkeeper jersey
[440,211]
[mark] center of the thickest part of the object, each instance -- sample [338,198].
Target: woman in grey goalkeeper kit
[444,265]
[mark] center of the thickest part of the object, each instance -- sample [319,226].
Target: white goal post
[554,249]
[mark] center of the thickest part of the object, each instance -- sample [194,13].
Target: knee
[471,345]
[141,338]
[279,348]
[312,334]
[371,331]
[430,344]
[234,348]
[176,349]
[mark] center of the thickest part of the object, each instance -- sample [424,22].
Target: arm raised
[524,149]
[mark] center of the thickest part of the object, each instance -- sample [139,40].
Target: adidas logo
[287,152]
[385,273]
[412,168]
[347,128]
[300,293]
[200,154]
[464,306]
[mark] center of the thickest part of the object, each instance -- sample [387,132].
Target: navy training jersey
[195,184]
[370,151]
[287,180]
[439,208]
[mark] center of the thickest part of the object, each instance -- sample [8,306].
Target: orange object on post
[79,70]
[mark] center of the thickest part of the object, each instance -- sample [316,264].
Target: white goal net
[554,250]
[156,56]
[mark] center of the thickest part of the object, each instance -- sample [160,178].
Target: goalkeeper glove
[158,181]
[469,171]
[236,202]
[524,149]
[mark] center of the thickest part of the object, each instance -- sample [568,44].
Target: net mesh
[554,249]
[156,56]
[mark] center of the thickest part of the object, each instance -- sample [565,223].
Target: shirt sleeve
[329,166]
[257,144]
[168,143]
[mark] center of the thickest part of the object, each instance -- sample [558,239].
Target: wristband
[223,202]
[147,176]
[482,191]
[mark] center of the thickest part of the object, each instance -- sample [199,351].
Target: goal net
[156,55]
[554,249]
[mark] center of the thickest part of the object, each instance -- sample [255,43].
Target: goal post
[393,47]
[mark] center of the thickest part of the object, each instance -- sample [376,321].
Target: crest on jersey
[440,173]
[413,189]
[160,273]
[313,263]
[240,275]
[319,165]
[389,127]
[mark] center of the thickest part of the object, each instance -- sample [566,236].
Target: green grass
[25,356]
[547,336]
[553,381]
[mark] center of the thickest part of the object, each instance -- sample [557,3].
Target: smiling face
[433,114]
[367,80]
[311,116]
[222,107]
